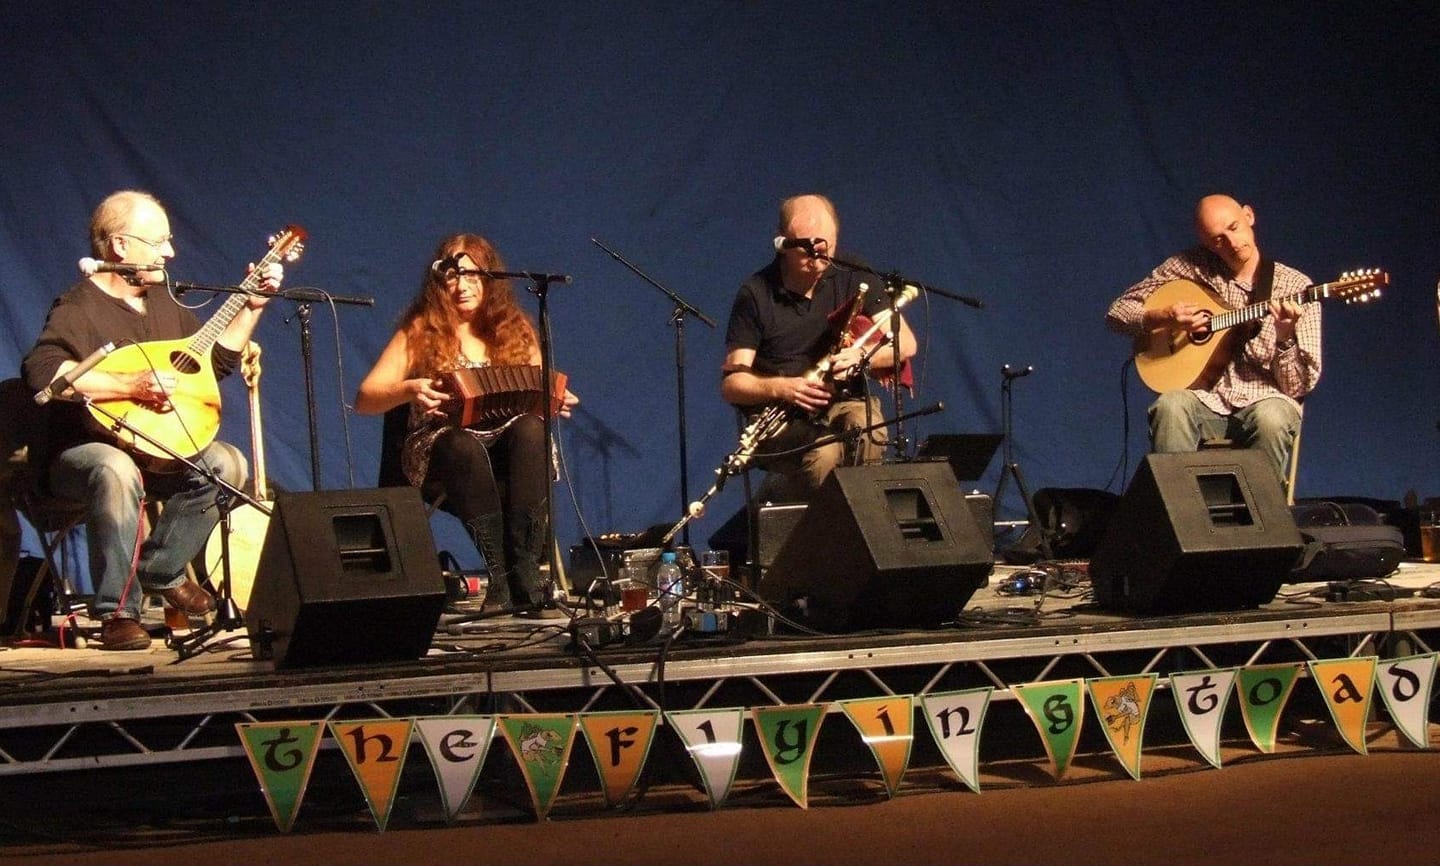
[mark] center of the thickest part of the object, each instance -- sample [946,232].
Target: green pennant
[787,735]
[282,754]
[541,745]
[1263,691]
[1057,710]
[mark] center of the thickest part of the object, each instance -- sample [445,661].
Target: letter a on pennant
[282,754]
[787,736]
[1347,685]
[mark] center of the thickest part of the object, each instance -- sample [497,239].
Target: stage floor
[53,700]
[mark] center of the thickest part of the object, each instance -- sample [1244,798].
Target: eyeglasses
[154,245]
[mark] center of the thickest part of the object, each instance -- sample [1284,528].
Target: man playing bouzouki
[1251,392]
[83,464]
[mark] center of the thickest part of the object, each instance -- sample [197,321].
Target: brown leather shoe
[190,598]
[120,633]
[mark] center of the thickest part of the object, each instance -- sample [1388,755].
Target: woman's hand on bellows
[569,402]
[425,394]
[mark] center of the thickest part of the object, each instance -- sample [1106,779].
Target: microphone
[90,267]
[783,243]
[1015,374]
[64,383]
[444,267]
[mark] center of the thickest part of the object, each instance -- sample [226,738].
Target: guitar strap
[1264,281]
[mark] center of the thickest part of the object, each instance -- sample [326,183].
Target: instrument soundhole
[184,363]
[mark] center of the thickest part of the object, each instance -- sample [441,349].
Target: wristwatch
[1285,346]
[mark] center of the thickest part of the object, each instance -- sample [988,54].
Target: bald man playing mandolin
[1250,380]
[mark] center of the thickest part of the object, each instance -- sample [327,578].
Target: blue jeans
[1179,421]
[105,477]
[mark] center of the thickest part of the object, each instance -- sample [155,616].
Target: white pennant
[955,720]
[712,738]
[457,746]
[1202,697]
[1405,684]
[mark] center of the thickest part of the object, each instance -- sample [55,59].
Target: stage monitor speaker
[346,577]
[891,546]
[1197,531]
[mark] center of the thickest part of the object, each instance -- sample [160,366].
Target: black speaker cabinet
[346,577]
[892,546]
[1201,531]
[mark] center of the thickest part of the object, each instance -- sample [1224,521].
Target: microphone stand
[540,288]
[677,318]
[895,284]
[303,298]
[227,613]
[1012,466]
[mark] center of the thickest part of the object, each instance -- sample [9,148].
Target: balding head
[1227,229]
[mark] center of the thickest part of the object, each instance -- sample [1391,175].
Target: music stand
[969,454]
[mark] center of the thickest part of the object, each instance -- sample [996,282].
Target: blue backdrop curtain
[1040,156]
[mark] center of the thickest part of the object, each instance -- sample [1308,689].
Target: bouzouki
[1169,360]
[190,418]
[248,524]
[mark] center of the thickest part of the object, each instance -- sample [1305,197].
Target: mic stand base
[227,618]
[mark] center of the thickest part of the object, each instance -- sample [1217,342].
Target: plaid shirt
[1258,370]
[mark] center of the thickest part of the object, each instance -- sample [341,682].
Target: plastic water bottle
[669,582]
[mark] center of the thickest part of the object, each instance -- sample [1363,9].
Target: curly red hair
[431,322]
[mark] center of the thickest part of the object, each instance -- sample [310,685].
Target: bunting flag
[1123,704]
[1263,691]
[282,754]
[955,720]
[1201,697]
[1405,686]
[541,744]
[787,736]
[887,726]
[712,738]
[457,746]
[620,743]
[375,749]
[1057,710]
[1347,685]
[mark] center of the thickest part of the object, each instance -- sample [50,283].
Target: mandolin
[248,524]
[189,419]
[1169,360]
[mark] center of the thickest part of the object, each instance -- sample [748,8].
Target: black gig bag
[1344,541]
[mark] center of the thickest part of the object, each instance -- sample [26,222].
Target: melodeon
[487,395]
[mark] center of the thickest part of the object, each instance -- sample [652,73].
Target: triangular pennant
[1347,685]
[1264,691]
[620,743]
[1201,697]
[541,744]
[1405,686]
[456,746]
[282,754]
[1057,710]
[375,749]
[1123,703]
[712,738]
[887,725]
[787,735]
[955,720]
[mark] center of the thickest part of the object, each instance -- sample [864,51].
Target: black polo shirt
[790,332]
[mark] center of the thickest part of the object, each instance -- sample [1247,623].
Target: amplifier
[778,521]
